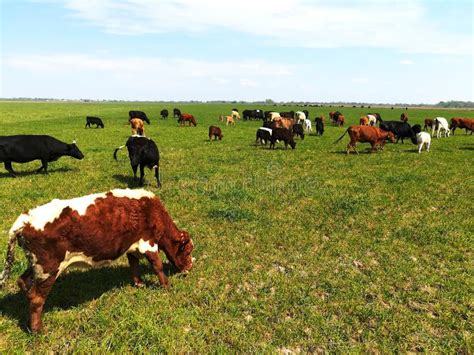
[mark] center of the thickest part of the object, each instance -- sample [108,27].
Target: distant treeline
[456,104]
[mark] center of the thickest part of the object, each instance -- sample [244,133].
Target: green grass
[306,249]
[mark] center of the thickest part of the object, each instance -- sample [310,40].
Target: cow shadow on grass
[6,174]
[76,288]
[127,180]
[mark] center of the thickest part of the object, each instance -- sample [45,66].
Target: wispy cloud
[407,62]
[396,24]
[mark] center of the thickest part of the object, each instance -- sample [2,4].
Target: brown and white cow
[94,230]
[367,134]
[138,128]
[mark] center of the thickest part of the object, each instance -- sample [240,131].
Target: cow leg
[134,266]
[44,166]
[157,174]
[134,168]
[36,297]
[142,174]
[155,261]
[8,167]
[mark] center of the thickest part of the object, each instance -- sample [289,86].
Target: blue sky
[387,51]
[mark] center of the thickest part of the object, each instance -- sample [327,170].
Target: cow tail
[347,130]
[10,258]
[116,150]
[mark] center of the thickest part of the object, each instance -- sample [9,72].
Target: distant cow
[93,230]
[263,135]
[300,116]
[289,114]
[340,120]
[282,134]
[253,114]
[235,114]
[176,113]
[137,126]
[404,117]
[319,125]
[94,120]
[401,130]
[138,114]
[216,132]
[334,115]
[440,124]
[142,152]
[428,124]
[283,122]
[164,114]
[364,121]
[186,117]
[459,122]
[26,148]
[373,135]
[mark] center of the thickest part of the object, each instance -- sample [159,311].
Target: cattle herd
[98,228]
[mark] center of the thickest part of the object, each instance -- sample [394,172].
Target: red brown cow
[428,124]
[364,121]
[459,122]
[137,126]
[282,122]
[94,230]
[216,132]
[367,134]
[340,120]
[186,117]
[404,117]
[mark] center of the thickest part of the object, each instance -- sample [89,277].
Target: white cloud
[407,62]
[397,24]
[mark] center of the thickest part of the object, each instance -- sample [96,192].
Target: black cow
[138,114]
[94,120]
[176,113]
[306,112]
[26,148]
[164,114]
[144,152]
[282,134]
[236,110]
[253,115]
[400,129]
[298,130]
[269,124]
[319,125]
[263,135]
[289,114]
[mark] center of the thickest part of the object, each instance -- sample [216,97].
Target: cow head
[391,137]
[73,151]
[178,251]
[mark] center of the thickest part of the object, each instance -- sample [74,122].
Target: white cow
[372,120]
[440,123]
[235,115]
[300,116]
[307,125]
[423,138]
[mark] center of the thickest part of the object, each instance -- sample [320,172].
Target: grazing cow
[164,114]
[366,134]
[138,114]
[253,114]
[334,115]
[93,230]
[247,114]
[282,134]
[176,113]
[307,125]
[459,122]
[423,138]
[340,120]
[94,120]
[404,117]
[235,114]
[373,119]
[229,120]
[401,130]
[298,130]
[216,132]
[440,124]
[142,152]
[259,115]
[26,148]
[186,117]
[364,121]
[282,122]
[263,135]
[137,126]
[319,124]
[300,117]
[428,123]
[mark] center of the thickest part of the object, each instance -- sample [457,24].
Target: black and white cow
[164,114]
[400,129]
[26,148]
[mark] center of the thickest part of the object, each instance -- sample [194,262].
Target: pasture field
[303,250]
